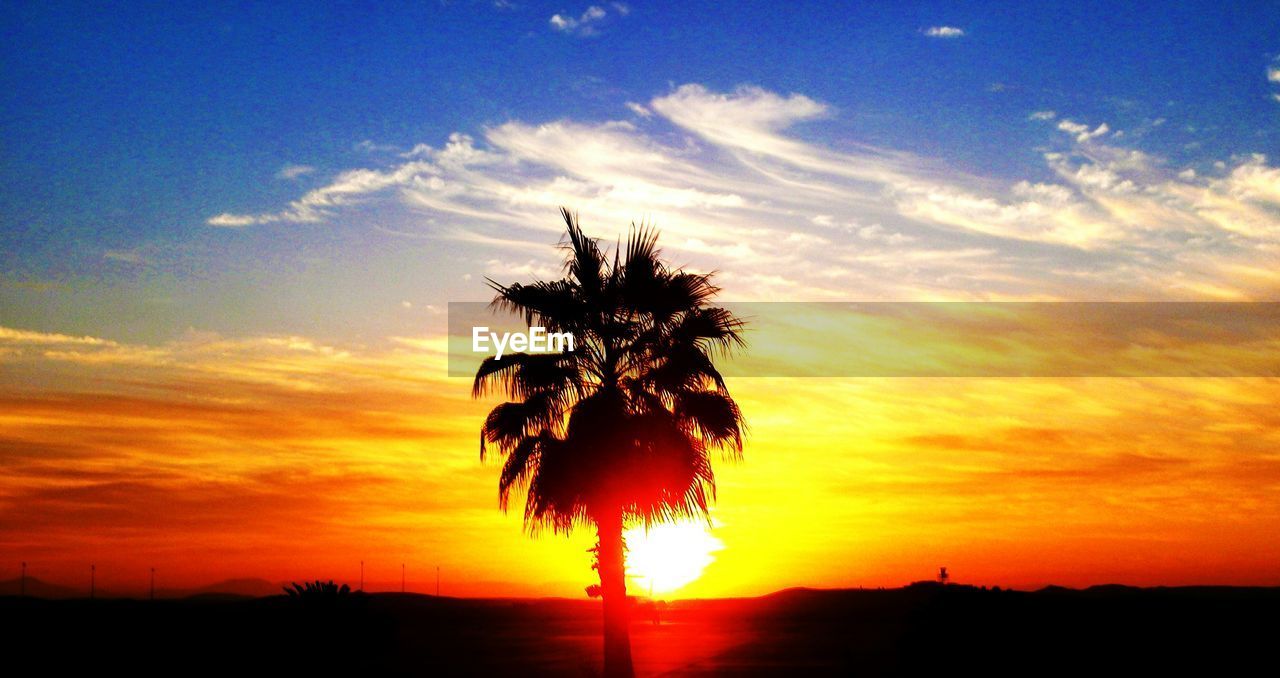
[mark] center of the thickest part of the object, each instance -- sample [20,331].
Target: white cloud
[318,204]
[742,189]
[748,118]
[1042,115]
[290,172]
[369,146]
[639,109]
[521,269]
[944,32]
[587,23]
[229,220]
[1081,131]
[694,107]
[1273,76]
[876,232]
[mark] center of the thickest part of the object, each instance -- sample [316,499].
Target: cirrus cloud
[726,173]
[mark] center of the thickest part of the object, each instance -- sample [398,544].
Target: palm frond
[713,416]
[520,375]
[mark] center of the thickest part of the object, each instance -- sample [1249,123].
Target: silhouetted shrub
[318,592]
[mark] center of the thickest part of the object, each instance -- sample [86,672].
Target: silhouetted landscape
[243,588]
[923,628]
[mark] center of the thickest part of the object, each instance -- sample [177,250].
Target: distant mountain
[40,589]
[252,588]
[255,588]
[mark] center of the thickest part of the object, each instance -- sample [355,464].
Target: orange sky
[310,233]
[213,458]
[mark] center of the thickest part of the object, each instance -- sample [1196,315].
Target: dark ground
[918,630]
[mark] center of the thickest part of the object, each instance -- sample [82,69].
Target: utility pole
[93,581]
[401,577]
[362,576]
[153,583]
[437,581]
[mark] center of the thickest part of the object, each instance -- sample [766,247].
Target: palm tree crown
[625,421]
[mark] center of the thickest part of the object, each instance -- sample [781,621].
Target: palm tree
[316,590]
[617,431]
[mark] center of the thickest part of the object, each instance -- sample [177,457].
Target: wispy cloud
[369,146]
[1273,76]
[290,172]
[229,220]
[639,109]
[347,189]
[1081,131]
[944,32]
[586,24]
[124,256]
[1113,222]
[15,337]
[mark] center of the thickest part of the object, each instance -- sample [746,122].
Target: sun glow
[667,557]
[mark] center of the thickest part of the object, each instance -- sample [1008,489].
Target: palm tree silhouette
[616,431]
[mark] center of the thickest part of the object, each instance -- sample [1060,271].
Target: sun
[667,557]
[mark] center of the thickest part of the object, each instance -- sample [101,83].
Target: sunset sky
[229,235]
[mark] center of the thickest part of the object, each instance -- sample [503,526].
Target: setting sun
[665,558]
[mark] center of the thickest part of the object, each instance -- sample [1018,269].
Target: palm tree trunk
[613,588]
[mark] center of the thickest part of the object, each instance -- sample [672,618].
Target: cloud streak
[945,32]
[291,172]
[726,173]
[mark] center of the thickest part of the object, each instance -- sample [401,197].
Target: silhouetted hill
[250,588]
[40,589]
[244,588]
[926,629]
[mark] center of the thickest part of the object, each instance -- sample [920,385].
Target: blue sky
[125,130]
